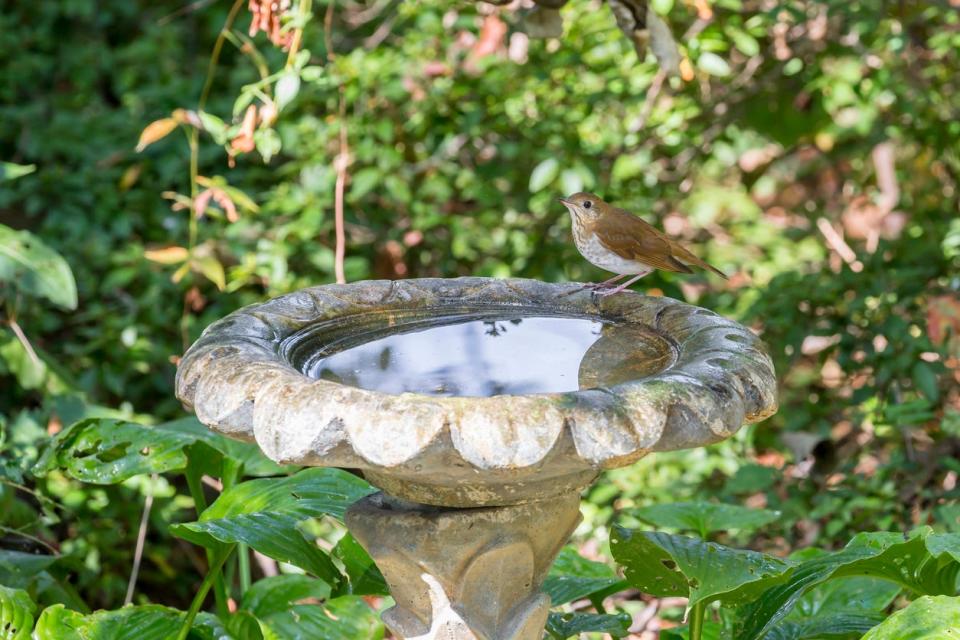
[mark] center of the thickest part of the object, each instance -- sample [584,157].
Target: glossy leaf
[147,622]
[573,577]
[278,593]
[266,514]
[571,625]
[343,618]
[705,517]
[836,626]
[927,618]
[108,451]
[925,563]
[363,575]
[35,269]
[16,614]
[666,565]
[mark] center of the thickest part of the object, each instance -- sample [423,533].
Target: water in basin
[458,356]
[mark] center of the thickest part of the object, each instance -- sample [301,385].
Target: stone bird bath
[480,467]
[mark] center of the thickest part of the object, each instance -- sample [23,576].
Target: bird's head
[583,206]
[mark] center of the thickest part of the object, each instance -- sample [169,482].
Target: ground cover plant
[164,164]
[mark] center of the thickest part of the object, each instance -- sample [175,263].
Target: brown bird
[618,241]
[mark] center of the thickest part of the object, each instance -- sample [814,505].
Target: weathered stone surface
[465,574]
[692,378]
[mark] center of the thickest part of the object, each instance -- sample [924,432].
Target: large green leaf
[573,577]
[343,618]
[266,514]
[667,565]
[837,626]
[364,576]
[704,517]
[925,563]
[278,593]
[927,618]
[147,622]
[107,451]
[246,453]
[36,269]
[16,614]
[571,625]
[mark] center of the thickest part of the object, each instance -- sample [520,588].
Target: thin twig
[22,337]
[652,94]
[141,539]
[342,159]
[304,11]
[341,162]
[836,242]
[17,532]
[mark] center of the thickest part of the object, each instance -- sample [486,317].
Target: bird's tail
[685,256]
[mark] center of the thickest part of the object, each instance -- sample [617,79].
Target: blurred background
[809,149]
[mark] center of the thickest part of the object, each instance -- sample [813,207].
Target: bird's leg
[626,284]
[606,283]
[596,286]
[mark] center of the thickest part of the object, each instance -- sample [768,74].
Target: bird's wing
[681,253]
[633,239]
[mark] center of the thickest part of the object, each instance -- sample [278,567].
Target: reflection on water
[494,357]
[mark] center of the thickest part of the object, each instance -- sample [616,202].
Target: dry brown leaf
[156,130]
[167,255]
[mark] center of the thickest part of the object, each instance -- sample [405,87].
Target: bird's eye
[587,204]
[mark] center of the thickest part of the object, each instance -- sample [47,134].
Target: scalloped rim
[238,383]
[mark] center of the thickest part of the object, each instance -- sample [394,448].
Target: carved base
[465,574]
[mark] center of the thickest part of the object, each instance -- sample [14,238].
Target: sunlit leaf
[167,255]
[927,618]
[147,622]
[667,565]
[286,89]
[16,614]
[11,171]
[705,517]
[107,451]
[713,64]
[343,618]
[543,174]
[156,130]
[278,593]
[925,562]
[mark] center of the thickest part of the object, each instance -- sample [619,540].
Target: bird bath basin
[480,408]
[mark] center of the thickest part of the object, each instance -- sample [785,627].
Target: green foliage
[572,625]
[265,514]
[16,614]
[704,518]
[928,618]
[785,123]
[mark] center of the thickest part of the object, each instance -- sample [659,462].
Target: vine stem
[212,574]
[193,140]
[696,620]
[195,484]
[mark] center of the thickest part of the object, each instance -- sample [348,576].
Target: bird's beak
[565,203]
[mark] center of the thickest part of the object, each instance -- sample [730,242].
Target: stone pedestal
[465,574]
